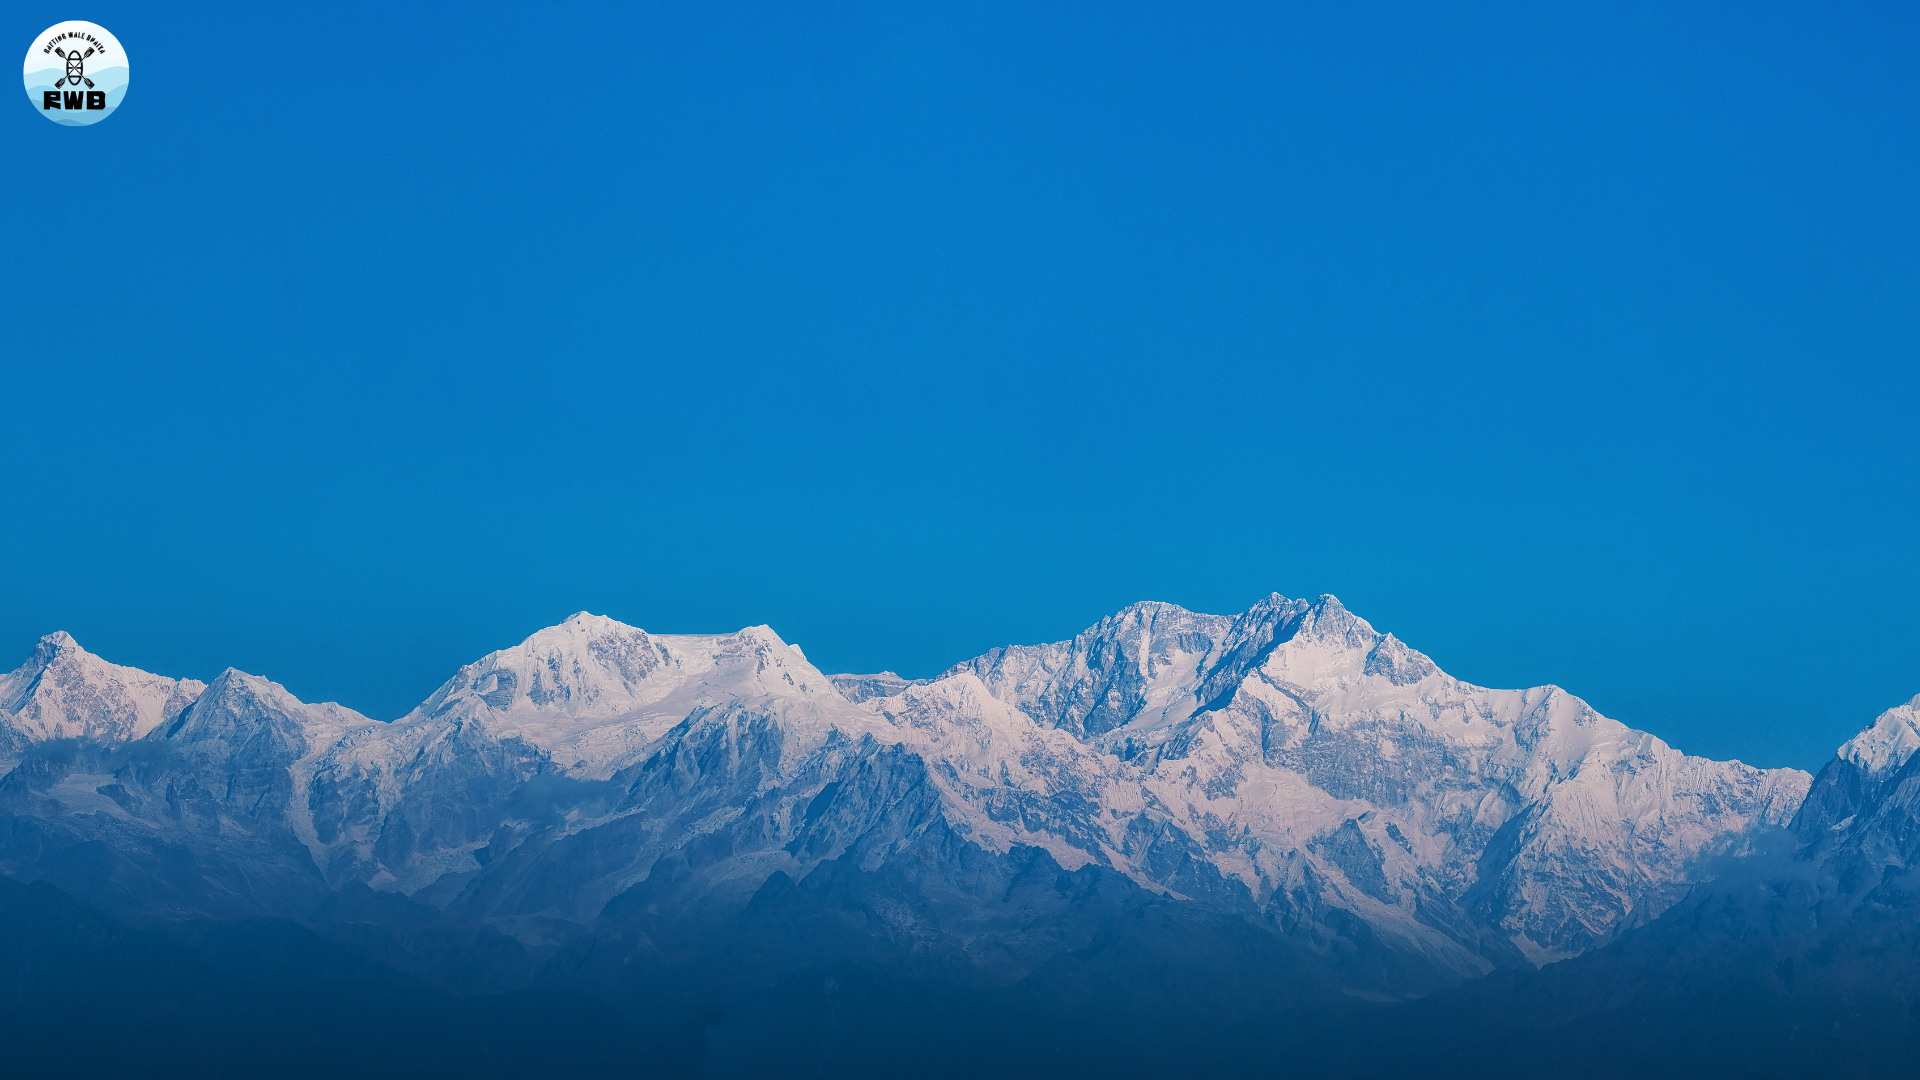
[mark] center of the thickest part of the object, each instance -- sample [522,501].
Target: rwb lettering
[95,99]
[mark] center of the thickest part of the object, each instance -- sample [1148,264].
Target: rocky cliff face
[1289,767]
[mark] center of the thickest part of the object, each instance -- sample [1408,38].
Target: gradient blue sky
[1572,343]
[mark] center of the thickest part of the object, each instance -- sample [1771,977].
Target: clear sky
[1572,343]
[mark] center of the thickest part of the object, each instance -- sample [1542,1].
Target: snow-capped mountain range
[1290,764]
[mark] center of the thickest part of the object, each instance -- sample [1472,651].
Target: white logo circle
[76,73]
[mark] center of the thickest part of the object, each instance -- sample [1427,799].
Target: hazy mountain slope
[86,996]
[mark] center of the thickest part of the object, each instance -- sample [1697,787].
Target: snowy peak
[587,666]
[859,688]
[591,667]
[1399,663]
[750,663]
[238,710]
[595,692]
[1140,660]
[1886,744]
[64,691]
[1153,665]
[1309,643]
[1251,639]
[1852,792]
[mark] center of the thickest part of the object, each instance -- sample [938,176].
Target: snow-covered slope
[66,692]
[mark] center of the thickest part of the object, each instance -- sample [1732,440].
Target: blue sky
[1571,343]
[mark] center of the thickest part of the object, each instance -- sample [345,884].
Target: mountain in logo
[76,73]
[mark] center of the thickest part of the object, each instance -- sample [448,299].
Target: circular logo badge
[76,74]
